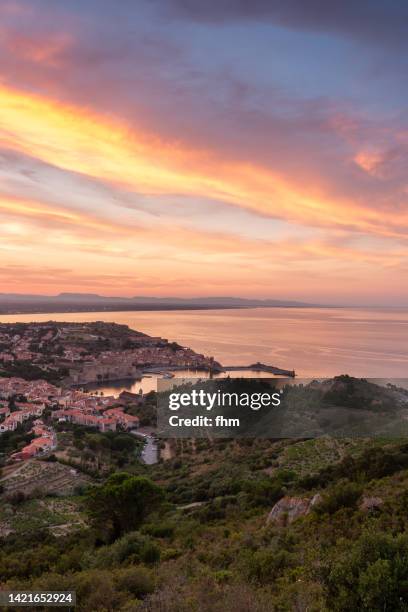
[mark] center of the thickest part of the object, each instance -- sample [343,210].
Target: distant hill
[15,303]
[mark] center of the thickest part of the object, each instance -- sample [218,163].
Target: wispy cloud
[163,157]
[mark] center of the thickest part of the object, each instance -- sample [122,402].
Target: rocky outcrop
[288,509]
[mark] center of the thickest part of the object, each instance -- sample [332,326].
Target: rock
[370,504]
[288,509]
[316,499]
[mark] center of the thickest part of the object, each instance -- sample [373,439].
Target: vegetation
[122,504]
[95,453]
[195,532]
[29,371]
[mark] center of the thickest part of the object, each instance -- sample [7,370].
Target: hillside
[210,545]
[220,525]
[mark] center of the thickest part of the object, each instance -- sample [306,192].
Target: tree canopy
[122,503]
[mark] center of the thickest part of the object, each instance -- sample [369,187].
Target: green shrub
[264,566]
[130,548]
[342,495]
[161,530]
[371,574]
[150,553]
[138,581]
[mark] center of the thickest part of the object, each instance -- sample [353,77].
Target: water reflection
[149,383]
[363,342]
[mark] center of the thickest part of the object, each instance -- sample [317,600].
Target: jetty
[261,367]
[166,371]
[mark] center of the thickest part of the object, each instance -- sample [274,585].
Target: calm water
[149,383]
[313,341]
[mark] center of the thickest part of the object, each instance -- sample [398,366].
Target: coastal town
[24,401]
[81,353]
[45,367]
[51,376]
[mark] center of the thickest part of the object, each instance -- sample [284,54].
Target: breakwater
[262,367]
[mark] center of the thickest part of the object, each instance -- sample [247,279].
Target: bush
[264,566]
[95,591]
[137,581]
[130,548]
[371,574]
[264,492]
[162,530]
[150,553]
[342,495]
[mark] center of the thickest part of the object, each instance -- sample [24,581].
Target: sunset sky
[190,148]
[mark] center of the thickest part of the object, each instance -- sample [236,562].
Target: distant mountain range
[92,300]
[94,297]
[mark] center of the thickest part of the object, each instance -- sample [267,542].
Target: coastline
[47,310]
[318,341]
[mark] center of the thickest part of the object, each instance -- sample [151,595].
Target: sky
[189,148]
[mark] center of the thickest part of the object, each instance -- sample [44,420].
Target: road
[150,452]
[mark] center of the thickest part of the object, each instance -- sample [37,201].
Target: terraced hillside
[47,477]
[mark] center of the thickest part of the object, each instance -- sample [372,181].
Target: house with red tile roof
[127,421]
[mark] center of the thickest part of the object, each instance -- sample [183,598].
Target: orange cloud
[170,256]
[107,149]
[54,215]
[126,254]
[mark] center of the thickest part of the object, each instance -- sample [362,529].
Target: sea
[315,342]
